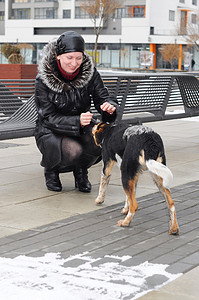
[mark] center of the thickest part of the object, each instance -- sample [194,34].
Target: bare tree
[190,31]
[170,53]
[13,52]
[123,54]
[192,36]
[99,12]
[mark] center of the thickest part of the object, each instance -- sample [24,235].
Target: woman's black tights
[80,151]
[71,151]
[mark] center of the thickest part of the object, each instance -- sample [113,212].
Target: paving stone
[192,259]
[69,220]
[182,251]
[192,217]
[9,255]
[155,207]
[184,193]
[49,227]
[155,280]
[74,263]
[167,259]
[178,241]
[144,256]
[73,251]
[188,226]
[39,253]
[194,242]
[188,211]
[104,260]
[164,228]
[23,235]
[4,241]
[179,267]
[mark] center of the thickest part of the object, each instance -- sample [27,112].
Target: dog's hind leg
[173,224]
[104,181]
[125,209]
[132,202]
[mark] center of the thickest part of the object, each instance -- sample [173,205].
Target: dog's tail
[161,170]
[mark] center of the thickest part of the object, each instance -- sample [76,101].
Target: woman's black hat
[70,41]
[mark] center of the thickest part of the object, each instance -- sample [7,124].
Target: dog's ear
[98,133]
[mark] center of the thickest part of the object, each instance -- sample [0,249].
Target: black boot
[81,180]
[53,182]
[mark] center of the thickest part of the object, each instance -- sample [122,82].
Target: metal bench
[142,98]
[150,98]
[21,123]
[13,93]
[9,101]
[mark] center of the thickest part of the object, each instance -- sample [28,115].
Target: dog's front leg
[102,189]
[105,178]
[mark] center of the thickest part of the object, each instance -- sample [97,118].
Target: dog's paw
[123,223]
[99,201]
[124,211]
[173,228]
[126,222]
[174,231]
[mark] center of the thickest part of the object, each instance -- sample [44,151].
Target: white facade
[159,24]
[134,30]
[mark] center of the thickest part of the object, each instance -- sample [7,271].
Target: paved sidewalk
[35,221]
[96,235]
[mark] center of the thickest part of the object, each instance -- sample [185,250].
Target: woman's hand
[109,108]
[85,118]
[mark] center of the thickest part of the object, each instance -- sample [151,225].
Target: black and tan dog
[135,149]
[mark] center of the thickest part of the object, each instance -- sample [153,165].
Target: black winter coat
[59,103]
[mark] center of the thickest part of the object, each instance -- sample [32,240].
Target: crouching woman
[66,84]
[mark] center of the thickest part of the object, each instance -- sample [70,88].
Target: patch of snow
[49,278]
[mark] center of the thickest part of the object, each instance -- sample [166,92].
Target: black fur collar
[50,75]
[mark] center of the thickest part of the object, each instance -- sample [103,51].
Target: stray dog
[135,149]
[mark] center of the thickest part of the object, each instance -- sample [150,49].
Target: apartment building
[137,26]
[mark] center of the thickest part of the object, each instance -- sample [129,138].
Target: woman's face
[71,61]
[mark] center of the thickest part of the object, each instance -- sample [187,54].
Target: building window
[135,11]
[193,18]
[183,22]
[66,13]
[2,15]
[2,0]
[21,13]
[21,1]
[46,0]
[171,15]
[151,30]
[81,14]
[45,13]
[119,13]
[194,2]
[139,47]
[182,1]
